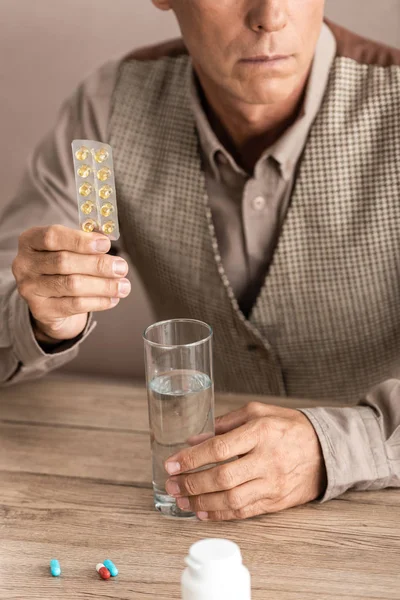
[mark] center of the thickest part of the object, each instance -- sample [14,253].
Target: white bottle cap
[215,572]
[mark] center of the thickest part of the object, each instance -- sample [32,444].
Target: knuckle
[78,244]
[111,287]
[62,262]
[101,264]
[235,499]
[218,516]
[188,462]
[77,305]
[190,486]
[220,449]
[254,409]
[50,237]
[73,283]
[225,477]
[199,503]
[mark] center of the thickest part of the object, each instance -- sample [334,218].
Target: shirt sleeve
[361,444]
[47,196]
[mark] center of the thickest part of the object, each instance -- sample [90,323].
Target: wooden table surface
[75,484]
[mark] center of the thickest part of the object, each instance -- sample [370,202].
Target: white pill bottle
[215,572]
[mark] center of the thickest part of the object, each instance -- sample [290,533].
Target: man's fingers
[57,237]
[58,286]
[252,410]
[57,308]
[260,507]
[67,263]
[221,477]
[230,421]
[195,440]
[215,450]
[237,498]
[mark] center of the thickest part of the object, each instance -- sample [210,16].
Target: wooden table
[75,485]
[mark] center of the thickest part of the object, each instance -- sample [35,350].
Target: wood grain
[105,405]
[75,485]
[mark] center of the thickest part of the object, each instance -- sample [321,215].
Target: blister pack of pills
[95,187]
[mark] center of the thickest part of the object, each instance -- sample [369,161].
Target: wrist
[320,476]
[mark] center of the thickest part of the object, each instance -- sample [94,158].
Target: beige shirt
[248,213]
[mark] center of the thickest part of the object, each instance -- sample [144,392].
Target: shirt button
[259,203]
[253,348]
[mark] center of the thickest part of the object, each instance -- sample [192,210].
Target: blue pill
[111,567]
[55,569]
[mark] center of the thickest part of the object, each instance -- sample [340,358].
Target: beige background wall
[46,47]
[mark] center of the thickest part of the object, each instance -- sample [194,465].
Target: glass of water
[179,376]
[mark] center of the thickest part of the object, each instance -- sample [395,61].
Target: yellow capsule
[85,190]
[89,225]
[108,227]
[87,207]
[104,174]
[105,192]
[107,209]
[82,153]
[101,155]
[84,171]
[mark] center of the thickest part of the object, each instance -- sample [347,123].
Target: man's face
[222,34]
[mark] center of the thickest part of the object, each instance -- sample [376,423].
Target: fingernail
[172,488]
[114,301]
[119,267]
[183,503]
[172,467]
[124,287]
[203,516]
[101,245]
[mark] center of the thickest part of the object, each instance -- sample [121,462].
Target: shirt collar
[287,149]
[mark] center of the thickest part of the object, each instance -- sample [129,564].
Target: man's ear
[162,4]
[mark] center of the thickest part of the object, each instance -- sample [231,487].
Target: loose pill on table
[103,571]
[55,569]
[111,567]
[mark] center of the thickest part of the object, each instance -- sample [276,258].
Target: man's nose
[268,15]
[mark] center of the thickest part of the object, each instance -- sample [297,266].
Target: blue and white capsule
[111,567]
[55,568]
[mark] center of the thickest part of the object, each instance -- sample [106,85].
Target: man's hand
[277,464]
[63,274]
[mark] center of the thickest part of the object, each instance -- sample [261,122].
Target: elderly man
[257,166]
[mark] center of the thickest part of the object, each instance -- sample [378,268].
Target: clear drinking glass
[180,388]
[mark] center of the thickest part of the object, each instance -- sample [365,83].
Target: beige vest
[327,319]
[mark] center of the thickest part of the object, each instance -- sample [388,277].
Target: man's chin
[271,92]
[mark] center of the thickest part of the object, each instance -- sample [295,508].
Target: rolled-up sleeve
[47,196]
[361,444]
